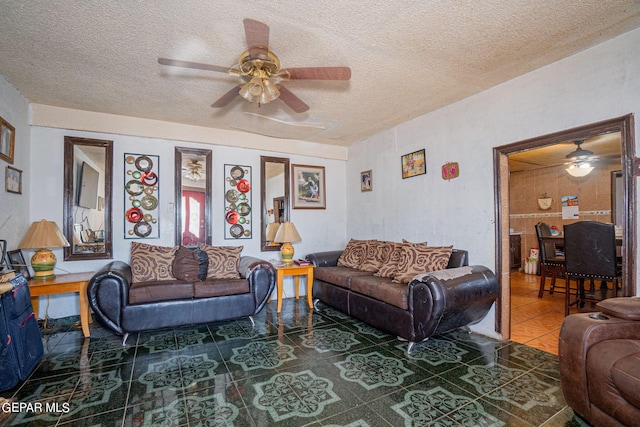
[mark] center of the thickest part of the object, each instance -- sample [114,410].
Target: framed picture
[7,140]
[16,261]
[366,183]
[414,164]
[308,187]
[13,180]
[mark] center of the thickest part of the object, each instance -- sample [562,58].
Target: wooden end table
[295,271]
[60,284]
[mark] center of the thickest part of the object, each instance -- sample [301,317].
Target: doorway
[623,125]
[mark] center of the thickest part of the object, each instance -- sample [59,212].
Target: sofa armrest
[108,293]
[458,258]
[325,259]
[579,332]
[261,276]
[456,297]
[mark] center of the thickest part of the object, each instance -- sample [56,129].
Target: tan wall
[593,191]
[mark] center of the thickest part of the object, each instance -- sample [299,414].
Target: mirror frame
[263,195]
[70,142]
[179,151]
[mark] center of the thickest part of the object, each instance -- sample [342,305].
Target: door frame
[624,125]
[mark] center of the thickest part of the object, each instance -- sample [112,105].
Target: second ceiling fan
[260,74]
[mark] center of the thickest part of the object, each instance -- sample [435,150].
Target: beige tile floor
[536,321]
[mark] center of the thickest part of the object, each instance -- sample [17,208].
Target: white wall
[597,84]
[48,143]
[14,208]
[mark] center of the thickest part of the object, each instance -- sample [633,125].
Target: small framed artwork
[7,140]
[366,183]
[13,180]
[414,164]
[16,261]
[308,187]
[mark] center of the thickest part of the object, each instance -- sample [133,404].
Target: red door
[192,218]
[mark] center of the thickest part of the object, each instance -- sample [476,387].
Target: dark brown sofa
[124,306]
[430,304]
[600,363]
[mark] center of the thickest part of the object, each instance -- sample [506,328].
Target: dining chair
[551,263]
[590,253]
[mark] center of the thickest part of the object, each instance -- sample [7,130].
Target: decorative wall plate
[244,186]
[149,203]
[134,215]
[144,163]
[244,209]
[231,196]
[134,187]
[232,217]
[236,172]
[236,230]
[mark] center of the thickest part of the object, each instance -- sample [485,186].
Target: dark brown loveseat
[431,303]
[197,295]
[600,363]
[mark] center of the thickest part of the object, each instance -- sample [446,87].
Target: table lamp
[41,236]
[272,229]
[286,235]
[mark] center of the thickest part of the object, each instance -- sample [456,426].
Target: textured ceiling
[407,57]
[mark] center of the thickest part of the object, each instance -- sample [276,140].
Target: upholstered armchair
[600,363]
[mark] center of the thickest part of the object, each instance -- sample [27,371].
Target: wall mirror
[87,207]
[193,196]
[274,203]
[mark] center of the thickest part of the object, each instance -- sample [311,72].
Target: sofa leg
[124,339]
[253,323]
[410,347]
[315,304]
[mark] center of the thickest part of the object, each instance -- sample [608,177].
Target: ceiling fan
[580,160]
[193,168]
[260,74]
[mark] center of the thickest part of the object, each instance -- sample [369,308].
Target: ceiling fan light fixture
[579,170]
[579,153]
[260,89]
[270,91]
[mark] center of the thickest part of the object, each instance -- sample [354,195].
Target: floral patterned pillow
[223,261]
[151,263]
[354,254]
[376,254]
[390,264]
[416,259]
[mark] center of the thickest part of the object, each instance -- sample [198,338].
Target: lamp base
[286,250]
[43,262]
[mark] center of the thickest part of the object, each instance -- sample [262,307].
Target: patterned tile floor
[295,368]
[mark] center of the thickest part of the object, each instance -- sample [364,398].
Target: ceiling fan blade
[189,64]
[316,73]
[257,38]
[225,99]
[292,101]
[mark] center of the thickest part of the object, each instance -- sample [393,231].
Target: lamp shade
[43,234]
[287,233]
[272,229]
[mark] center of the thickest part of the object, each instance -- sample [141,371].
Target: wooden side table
[295,271]
[60,284]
